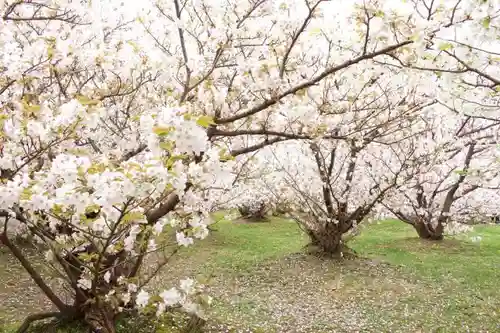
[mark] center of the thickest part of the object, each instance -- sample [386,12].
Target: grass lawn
[261,282]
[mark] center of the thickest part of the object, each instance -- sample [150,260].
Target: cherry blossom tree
[478,207]
[337,183]
[463,158]
[117,119]
[461,58]
[85,168]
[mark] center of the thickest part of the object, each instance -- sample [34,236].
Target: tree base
[58,319]
[427,232]
[433,238]
[252,219]
[342,252]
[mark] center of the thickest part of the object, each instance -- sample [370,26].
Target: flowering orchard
[123,124]
[449,183]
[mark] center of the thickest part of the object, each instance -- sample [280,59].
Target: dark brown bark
[68,316]
[164,208]
[195,325]
[101,317]
[327,241]
[257,213]
[36,317]
[427,231]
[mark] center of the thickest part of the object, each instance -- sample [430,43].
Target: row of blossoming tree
[124,124]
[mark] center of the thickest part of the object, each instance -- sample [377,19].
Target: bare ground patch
[19,296]
[301,293]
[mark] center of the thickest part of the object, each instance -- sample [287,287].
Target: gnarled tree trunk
[255,213]
[327,241]
[427,230]
[100,318]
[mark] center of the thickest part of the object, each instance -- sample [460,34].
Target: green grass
[473,265]
[464,276]
[260,280]
[240,246]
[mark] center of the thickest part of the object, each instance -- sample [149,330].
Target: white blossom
[142,299]
[171,297]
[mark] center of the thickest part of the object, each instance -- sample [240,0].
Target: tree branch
[29,268]
[310,83]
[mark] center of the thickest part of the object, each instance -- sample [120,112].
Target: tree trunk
[100,318]
[195,325]
[427,231]
[327,241]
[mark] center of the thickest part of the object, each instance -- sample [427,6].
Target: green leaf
[162,131]
[174,158]
[167,145]
[301,92]
[26,194]
[155,298]
[445,46]
[77,152]
[208,84]
[204,300]
[57,209]
[33,108]
[51,43]
[84,100]
[170,92]
[322,129]
[92,209]
[119,246]
[87,257]
[96,168]
[205,121]
[134,46]
[315,32]
[225,156]
[486,22]
[133,216]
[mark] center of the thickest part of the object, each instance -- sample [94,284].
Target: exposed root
[36,317]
